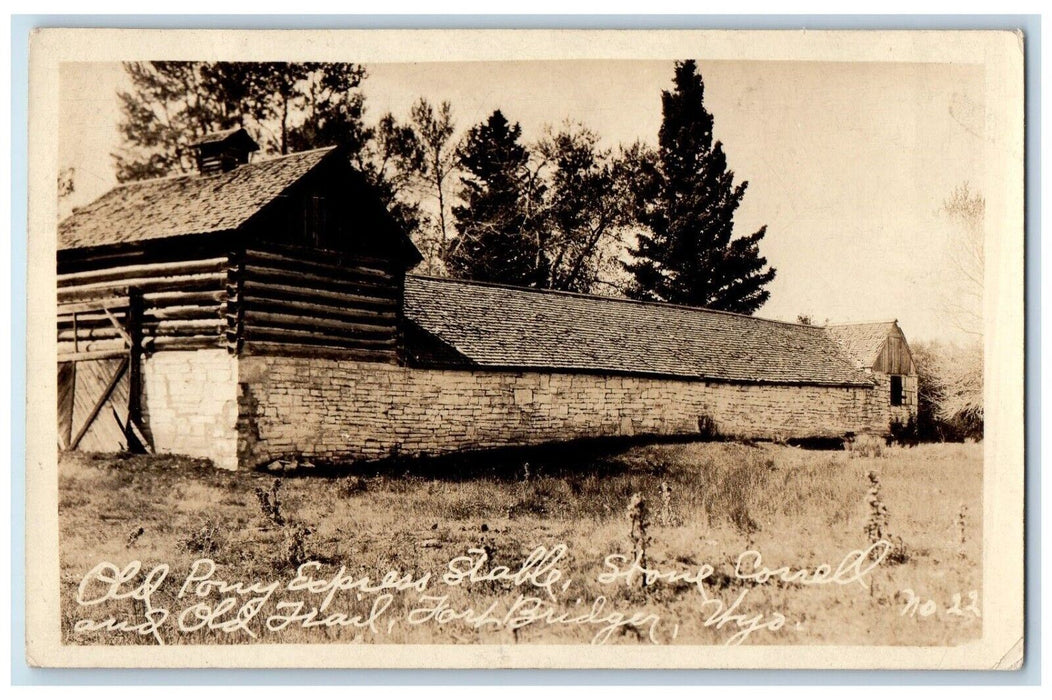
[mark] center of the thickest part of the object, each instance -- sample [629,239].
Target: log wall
[295,301]
[277,300]
[184,306]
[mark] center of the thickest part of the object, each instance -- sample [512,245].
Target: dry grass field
[432,524]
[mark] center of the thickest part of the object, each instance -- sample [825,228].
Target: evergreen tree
[496,227]
[688,254]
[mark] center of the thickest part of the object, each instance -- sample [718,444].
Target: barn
[263,309]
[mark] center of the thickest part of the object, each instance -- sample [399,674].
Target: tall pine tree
[688,254]
[496,227]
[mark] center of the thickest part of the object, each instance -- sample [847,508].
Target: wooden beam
[112,303]
[90,345]
[261,319]
[304,253]
[346,282]
[162,298]
[92,355]
[284,335]
[186,282]
[75,335]
[306,308]
[130,319]
[306,264]
[235,316]
[183,324]
[84,318]
[163,269]
[261,289]
[261,347]
[186,311]
[183,342]
[134,335]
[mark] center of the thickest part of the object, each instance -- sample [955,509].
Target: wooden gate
[99,377]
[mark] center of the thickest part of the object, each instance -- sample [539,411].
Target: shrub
[707,428]
[350,485]
[668,515]
[295,544]
[206,541]
[639,517]
[903,433]
[269,504]
[865,446]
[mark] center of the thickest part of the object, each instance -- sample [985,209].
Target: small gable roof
[237,135]
[863,341]
[490,325]
[185,204]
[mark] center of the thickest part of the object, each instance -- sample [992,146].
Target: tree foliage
[587,204]
[949,391]
[497,223]
[434,131]
[551,214]
[548,215]
[688,253]
[288,107]
[966,210]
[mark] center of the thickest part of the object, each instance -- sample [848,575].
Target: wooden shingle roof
[507,327]
[220,136]
[187,204]
[862,341]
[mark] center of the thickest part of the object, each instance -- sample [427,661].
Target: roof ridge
[202,176]
[625,300]
[862,323]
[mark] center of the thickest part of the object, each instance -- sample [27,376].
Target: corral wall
[190,404]
[329,409]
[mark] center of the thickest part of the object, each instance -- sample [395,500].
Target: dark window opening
[896,390]
[314,221]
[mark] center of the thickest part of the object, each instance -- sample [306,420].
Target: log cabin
[258,310]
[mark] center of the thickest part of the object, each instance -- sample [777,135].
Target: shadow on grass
[599,456]
[602,457]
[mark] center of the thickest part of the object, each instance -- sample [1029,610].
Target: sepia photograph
[688,350]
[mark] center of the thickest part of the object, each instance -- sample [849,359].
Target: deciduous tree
[587,205]
[434,131]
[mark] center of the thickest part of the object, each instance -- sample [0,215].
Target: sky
[848,164]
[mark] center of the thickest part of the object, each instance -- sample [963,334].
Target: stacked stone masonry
[189,404]
[908,408]
[334,410]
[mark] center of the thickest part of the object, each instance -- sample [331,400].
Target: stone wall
[342,410]
[900,414]
[189,404]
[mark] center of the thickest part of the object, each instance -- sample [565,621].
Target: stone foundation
[190,405]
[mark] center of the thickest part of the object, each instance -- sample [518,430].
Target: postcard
[525,349]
